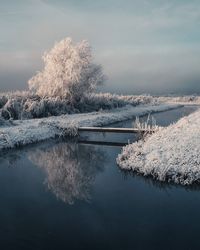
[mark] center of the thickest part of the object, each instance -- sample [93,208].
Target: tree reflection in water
[70,168]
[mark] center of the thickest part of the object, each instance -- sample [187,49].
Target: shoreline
[171,154]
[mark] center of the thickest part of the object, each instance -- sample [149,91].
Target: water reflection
[70,169]
[10,158]
[161,185]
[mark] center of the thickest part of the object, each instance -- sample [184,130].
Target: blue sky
[144,45]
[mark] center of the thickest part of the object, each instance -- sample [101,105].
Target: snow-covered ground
[185,100]
[171,154]
[23,132]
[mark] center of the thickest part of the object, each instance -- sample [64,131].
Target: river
[68,195]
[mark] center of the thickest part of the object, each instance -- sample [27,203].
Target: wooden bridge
[111,130]
[115,130]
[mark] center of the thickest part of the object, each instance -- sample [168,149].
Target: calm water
[59,195]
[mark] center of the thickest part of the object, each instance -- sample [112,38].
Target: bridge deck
[115,130]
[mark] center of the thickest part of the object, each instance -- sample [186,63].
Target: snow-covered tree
[69,71]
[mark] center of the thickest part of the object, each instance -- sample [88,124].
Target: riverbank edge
[169,155]
[23,132]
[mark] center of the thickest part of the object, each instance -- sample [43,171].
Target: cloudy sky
[144,46]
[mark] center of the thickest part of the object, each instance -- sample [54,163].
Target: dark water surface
[59,195]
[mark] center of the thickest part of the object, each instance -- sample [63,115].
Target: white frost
[171,154]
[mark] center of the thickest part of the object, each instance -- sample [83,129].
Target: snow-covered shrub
[3,100]
[69,71]
[24,105]
[149,124]
[12,109]
[97,101]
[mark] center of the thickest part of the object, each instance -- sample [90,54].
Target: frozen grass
[23,105]
[148,125]
[171,154]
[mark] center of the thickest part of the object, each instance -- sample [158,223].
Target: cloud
[142,44]
[155,71]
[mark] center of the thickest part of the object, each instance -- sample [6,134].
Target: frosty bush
[24,105]
[148,125]
[69,71]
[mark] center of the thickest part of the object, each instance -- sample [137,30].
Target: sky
[144,46]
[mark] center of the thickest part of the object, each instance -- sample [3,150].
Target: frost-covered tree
[69,71]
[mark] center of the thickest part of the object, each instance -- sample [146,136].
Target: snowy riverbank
[171,154]
[24,132]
